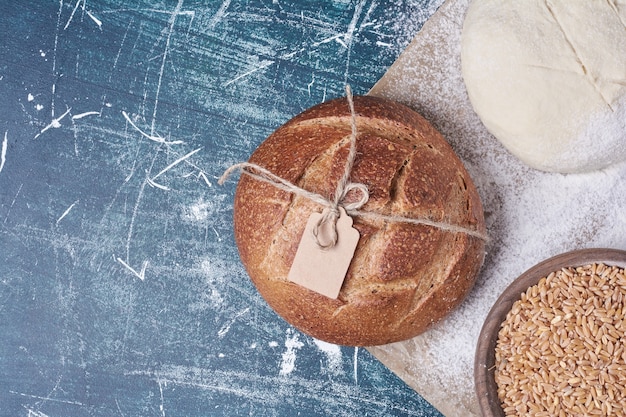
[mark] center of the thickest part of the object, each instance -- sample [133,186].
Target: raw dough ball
[548,79]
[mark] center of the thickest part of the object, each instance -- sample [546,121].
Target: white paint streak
[54,58]
[202,175]
[163,61]
[133,217]
[161,11]
[292,54]
[3,151]
[91,15]
[55,123]
[309,85]
[95,19]
[155,138]
[329,39]
[355,18]
[88,113]
[157,185]
[356,365]
[226,327]
[152,137]
[141,274]
[119,51]
[39,397]
[65,213]
[262,65]
[132,171]
[341,42]
[118,408]
[74,130]
[219,238]
[219,15]
[176,162]
[67,24]
[292,343]
[34,413]
[349,36]
[198,175]
[162,405]
[19,190]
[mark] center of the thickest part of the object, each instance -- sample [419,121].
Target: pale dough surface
[548,79]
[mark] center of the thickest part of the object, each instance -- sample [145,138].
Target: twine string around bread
[331,215]
[343,186]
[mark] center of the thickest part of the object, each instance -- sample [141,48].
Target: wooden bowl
[484,361]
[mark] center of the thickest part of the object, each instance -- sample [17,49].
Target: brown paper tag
[324,270]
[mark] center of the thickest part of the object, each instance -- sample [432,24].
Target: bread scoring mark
[613,7]
[324,162]
[374,126]
[295,202]
[337,312]
[397,179]
[283,222]
[400,286]
[432,280]
[577,55]
[468,203]
[463,183]
[583,74]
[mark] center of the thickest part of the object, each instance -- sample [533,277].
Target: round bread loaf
[403,277]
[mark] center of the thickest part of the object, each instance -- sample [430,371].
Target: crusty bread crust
[403,277]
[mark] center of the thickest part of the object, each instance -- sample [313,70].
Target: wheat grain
[560,350]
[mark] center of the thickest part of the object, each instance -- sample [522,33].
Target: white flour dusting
[333,356]
[197,212]
[202,211]
[292,344]
[210,296]
[530,215]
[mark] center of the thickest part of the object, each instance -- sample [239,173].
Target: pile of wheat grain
[561,349]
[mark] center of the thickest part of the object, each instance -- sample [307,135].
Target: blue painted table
[121,290]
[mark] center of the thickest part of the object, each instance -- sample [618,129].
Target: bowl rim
[484,359]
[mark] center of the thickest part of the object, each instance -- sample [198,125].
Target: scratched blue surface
[121,291]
